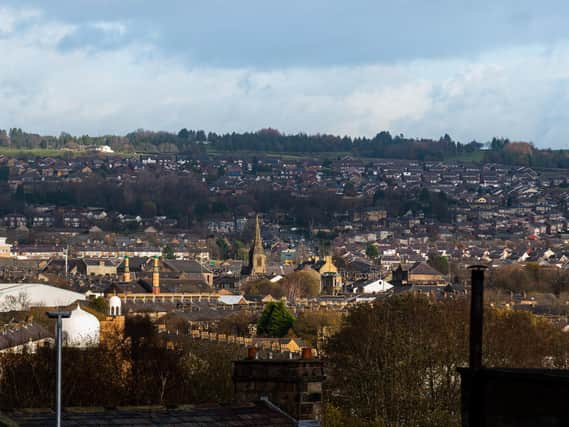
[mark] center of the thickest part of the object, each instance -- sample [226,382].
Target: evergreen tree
[168,252]
[183,134]
[372,251]
[275,320]
[4,173]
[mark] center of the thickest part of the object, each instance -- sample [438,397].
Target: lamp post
[58,342]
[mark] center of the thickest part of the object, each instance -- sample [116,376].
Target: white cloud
[522,92]
[115,27]
[10,18]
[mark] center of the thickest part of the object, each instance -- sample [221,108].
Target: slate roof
[21,334]
[253,414]
[148,307]
[185,266]
[424,269]
[20,264]
[232,299]
[98,261]
[199,312]
[173,285]
[359,266]
[135,264]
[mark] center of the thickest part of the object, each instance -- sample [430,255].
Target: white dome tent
[22,296]
[114,306]
[81,330]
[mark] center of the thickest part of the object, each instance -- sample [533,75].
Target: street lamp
[58,342]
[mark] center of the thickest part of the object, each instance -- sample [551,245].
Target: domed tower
[81,330]
[112,327]
[257,257]
[115,304]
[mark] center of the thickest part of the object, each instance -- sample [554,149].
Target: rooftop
[251,414]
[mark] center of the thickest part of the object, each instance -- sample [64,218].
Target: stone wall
[295,386]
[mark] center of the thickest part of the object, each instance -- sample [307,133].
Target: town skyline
[320,213]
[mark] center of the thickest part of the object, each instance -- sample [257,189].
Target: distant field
[40,152]
[32,152]
[475,156]
[290,156]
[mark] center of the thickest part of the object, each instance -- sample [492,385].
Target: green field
[475,157]
[36,152]
[41,152]
[286,156]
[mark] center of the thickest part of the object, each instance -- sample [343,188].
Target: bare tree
[19,302]
[395,362]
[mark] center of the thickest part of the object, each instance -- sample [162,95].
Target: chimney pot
[252,353]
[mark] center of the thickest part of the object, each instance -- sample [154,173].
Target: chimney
[252,353]
[126,276]
[306,353]
[476,314]
[293,385]
[155,278]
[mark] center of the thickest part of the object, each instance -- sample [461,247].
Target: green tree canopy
[275,320]
[4,173]
[371,251]
[438,262]
[168,252]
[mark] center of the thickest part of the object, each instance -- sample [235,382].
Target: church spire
[257,257]
[258,240]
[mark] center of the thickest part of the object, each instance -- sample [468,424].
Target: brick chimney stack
[126,276]
[155,278]
[293,385]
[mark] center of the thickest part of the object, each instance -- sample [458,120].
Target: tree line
[382,145]
[531,277]
[150,195]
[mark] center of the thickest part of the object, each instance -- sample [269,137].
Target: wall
[514,397]
[295,386]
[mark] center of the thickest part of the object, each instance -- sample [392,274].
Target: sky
[474,70]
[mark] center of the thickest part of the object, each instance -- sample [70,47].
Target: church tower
[257,257]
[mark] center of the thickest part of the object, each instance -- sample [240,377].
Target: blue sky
[422,68]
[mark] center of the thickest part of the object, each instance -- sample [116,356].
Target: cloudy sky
[422,68]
